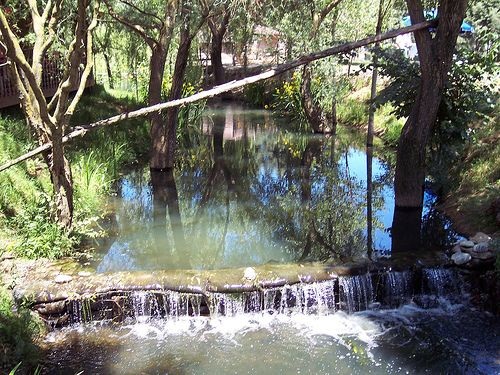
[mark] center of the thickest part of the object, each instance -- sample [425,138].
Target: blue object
[431,14]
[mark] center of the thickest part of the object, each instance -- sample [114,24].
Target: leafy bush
[287,100]
[352,112]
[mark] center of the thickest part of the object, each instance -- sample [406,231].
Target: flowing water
[248,190]
[294,329]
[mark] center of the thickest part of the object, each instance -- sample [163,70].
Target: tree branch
[138,29]
[82,130]
[88,66]
[137,9]
[15,53]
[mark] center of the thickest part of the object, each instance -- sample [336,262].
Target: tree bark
[218,32]
[62,183]
[158,130]
[435,55]
[312,110]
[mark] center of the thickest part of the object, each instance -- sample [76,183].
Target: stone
[456,249]
[461,258]
[482,256]
[250,273]
[481,247]
[466,245]
[61,279]
[480,237]
[84,274]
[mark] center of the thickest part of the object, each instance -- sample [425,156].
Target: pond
[250,190]
[247,190]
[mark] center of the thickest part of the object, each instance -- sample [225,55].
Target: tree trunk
[62,182]
[435,55]
[158,131]
[313,112]
[108,70]
[216,58]
[172,120]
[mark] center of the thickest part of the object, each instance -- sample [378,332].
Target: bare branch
[15,53]
[318,18]
[54,18]
[88,66]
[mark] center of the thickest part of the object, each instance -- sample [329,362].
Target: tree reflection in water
[247,190]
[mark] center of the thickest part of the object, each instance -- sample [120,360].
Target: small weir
[371,290]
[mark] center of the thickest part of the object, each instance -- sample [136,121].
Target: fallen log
[229,86]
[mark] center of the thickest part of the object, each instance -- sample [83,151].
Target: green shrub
[19,329]
[287,99]
[38,234]
[352,112]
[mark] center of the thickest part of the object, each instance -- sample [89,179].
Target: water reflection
[247,190]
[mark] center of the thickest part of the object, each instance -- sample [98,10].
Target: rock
[61,279]
[483,256]
[456,249]
[481,247]
[480,237]
[461,258]
[250,273]
[466,245]
[84,274]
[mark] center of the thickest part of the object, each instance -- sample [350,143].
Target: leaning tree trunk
[172,119]
[313,112]
[410,167]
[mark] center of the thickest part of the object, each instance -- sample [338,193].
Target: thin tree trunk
[312,110]
[181,62]
[108,71]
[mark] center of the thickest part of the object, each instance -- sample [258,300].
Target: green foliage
[25,209]
[485,16]
[352,112]
[258,94]
[189,117]
[18,331]
[287,99]
[388,125]
[38,234]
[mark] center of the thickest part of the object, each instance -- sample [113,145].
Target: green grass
[26,225]
[19,330]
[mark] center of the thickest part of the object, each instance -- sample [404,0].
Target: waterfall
[398,287]
[348,293]
[441,282]
[356,292]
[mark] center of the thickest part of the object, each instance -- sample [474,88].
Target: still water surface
[249,190]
